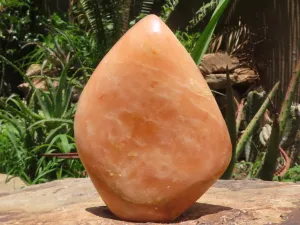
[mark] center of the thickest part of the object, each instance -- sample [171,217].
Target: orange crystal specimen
[148,129]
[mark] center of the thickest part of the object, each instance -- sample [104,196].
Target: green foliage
[188,40]
[240,144]
[68,53]
[105,19]
[245,169]
[94,15]
[256,165]
[231,125]
[274,134]
[204,10]
[14,23]
[108,20]
[268,166]
[263,163]
[253,123]
[168,8]
[292,127]
[254,101]
[62,42]
[20,23]
[203,42]
[285,111]
[292,175]
[198,43]
[44,124]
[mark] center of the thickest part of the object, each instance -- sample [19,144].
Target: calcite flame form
[148,129]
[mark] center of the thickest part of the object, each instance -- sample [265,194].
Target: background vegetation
[47,54]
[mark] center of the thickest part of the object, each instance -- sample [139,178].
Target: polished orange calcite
[148,129]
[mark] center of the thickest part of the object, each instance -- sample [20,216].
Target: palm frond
[204,10]
[112,11]
[231,10]
[146,6]
[94,15]
[168,8]
[107,19]
[203,42]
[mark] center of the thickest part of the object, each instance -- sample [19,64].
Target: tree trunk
[125,15]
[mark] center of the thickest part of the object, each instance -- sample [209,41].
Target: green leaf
[205,9]
[93,11]
[250,128]
[168,8]
[12,122]
[38,179]
[231,126]
[54,140]
[41,102]
[59,173]
[26,178]
[53,120]
[12,109]
[27,112]
[38,148]
[47,105]
[267,169]
[42,162]
[62,87]
[202,43]
[287,103]
[53,133]
[5,60]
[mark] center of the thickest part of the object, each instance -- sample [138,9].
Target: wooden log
[240,76]
[214,63]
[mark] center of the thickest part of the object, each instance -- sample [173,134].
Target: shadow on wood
[196,211]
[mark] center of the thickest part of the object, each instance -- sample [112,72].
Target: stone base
[9,183]
[75,201]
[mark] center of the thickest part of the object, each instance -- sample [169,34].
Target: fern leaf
[94,15]
[146,6]
[168,8]
[202,13]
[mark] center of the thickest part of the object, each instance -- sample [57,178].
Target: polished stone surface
[148,129]
[76,202]
[9,183]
